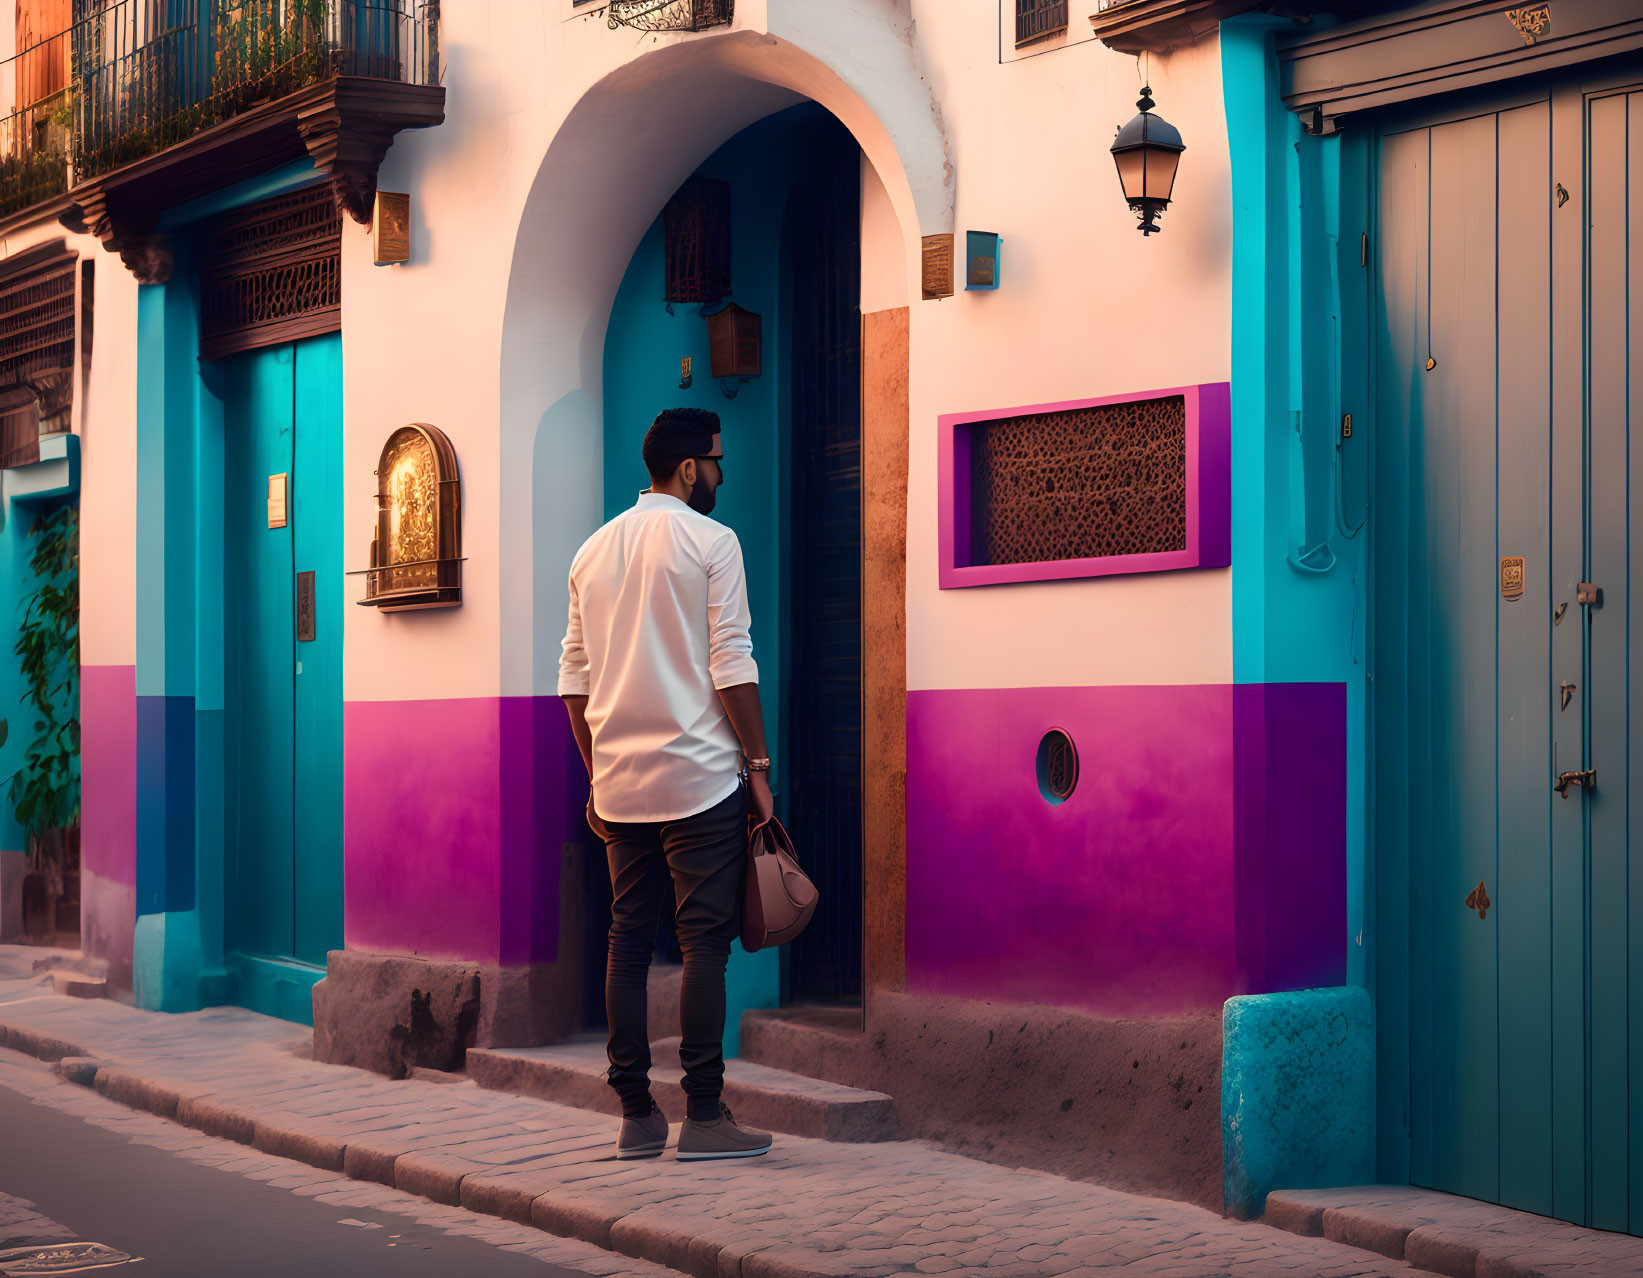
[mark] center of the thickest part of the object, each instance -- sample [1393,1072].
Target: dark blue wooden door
[824,804]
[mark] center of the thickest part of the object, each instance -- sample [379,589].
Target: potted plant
[45,791]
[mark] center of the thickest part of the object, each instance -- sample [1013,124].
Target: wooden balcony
[172,102]
[34,128]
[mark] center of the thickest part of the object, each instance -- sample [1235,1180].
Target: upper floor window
[1037,20]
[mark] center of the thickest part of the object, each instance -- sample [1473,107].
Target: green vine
[45,792]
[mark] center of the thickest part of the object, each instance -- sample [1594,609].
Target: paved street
[811,1208]
[194,1206]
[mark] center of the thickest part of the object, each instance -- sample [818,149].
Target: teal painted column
[167,960]
[1300,551]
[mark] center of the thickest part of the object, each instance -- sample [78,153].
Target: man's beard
[702,498]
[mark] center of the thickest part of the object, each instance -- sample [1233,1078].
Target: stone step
[79,985]
[73,962]
[574,1074]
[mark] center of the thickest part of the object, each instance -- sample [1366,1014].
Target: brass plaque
[305,607]
[391,228]
[276,500]
[1511,578]
[938,266]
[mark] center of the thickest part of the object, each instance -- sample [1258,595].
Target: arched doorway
[770,224]
[626,147]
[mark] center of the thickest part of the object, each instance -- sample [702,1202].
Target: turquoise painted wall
[1299,540]
[643,348]
[178,960]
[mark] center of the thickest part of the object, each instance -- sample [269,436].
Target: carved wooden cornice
[1443,46]
[345,125]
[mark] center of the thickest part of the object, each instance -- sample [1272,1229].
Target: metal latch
[1587,593]
[1581,780]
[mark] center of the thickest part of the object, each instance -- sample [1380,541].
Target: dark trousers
[701,859]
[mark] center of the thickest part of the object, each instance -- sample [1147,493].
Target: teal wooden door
[1502,483]
[283,689]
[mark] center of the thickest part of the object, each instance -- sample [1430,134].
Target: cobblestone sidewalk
[809,1208]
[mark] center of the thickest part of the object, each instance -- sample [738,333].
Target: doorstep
[1451,1235]
[574,1074]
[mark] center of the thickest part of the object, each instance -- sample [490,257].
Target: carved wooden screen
[37,315]
[272,273]
[696,226]
[1039,19]
[1084,484]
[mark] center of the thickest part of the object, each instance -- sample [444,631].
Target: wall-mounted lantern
[981,254]
[416,554]
[1148,151]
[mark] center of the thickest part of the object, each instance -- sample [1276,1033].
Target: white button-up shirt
[658,623]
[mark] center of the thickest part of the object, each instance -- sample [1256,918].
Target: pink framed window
[1086,488]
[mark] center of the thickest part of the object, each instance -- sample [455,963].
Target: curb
[1459,1237]
[645,1233]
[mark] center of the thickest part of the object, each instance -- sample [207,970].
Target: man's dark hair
[675,435]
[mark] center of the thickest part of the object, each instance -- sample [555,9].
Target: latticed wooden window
[696,226]
[37,314]
[1039,19]
[272,273]
[1084,484]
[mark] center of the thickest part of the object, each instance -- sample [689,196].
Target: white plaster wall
[495,331]
[885,283]
[108,468]
[1087,306]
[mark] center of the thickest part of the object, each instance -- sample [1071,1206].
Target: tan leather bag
[778,897]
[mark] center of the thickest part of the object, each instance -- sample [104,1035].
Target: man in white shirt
[658,675]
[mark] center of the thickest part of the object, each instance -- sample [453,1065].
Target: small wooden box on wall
[735,340]
[416,553]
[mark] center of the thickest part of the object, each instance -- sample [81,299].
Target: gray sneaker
[643,1137]
[720,1139]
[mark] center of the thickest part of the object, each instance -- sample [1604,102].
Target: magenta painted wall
[108,814]
[1145,893]
[455,814]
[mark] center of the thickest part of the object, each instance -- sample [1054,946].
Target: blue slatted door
[1613,701]
[1525,1022]
[284,693]
[1463,745]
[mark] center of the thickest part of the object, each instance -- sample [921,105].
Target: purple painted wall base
[456,812]
[108,822]
[1202,854]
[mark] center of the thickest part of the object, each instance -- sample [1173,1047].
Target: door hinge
[1589,594]
[1363,249]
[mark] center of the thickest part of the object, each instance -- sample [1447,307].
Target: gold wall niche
[416,554]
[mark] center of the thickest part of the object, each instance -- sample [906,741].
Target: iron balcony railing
[34,131]
[1038,19]
[149,74]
